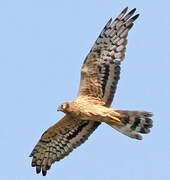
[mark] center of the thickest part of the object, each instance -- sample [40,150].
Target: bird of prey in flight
[99,77]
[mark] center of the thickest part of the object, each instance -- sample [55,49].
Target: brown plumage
[99,78]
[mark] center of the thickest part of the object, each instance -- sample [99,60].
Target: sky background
[42,47]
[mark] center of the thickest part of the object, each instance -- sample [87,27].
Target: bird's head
[63,107]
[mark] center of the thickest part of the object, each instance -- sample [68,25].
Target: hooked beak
[59,108]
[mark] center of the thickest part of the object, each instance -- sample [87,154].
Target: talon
[115,119]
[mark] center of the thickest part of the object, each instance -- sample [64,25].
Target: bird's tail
[133,122]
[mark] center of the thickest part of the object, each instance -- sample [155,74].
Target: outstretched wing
[101,68]
[59,140]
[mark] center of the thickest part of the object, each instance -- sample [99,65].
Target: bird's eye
[63,106]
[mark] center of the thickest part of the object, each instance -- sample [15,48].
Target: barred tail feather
[133,122]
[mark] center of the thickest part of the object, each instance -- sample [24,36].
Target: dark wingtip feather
[44,173]
[132,11]
[38,169]
[130,14]
[110,20]
[120,16]
[124,10]
[135,17]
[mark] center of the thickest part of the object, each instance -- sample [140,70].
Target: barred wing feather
[101,69]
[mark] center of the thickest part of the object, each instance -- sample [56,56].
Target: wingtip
[133,10]
[108,23]
[44,173]
[129,23]
[125,9]
[135,17]
[122,13]
[38,169]
[138,137]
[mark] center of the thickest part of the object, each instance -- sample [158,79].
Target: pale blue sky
[42,47]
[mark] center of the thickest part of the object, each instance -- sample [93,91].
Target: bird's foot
[115,119]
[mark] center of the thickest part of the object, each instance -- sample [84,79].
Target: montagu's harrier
[99,78]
